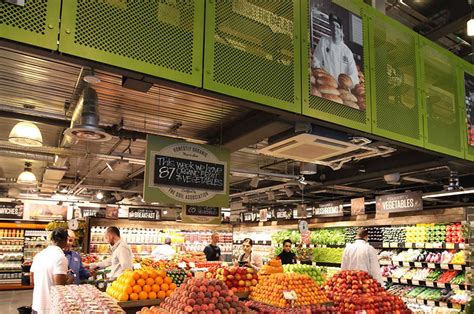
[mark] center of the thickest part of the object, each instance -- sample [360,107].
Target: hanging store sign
[283,213]
[201,214]
[92,211]
[358,206]
[249,217]
[263,215]
[329,209]
[144,214]
[178,172]
[409,201]
[11,210]
[111,211]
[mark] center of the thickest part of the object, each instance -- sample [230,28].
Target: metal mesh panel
[252,49]
[35,23]
[397,108]
[146,36]
[443,125]
[322,108]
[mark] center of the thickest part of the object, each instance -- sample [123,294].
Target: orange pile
[142,284]
[270,290]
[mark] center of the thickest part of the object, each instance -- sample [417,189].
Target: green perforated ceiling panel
[163,38]
[36,23]
[322,108]
[252,51]
[397,109]
[443,126]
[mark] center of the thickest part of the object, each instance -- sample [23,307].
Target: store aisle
[11,300]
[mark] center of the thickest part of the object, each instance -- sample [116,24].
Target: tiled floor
[11,300]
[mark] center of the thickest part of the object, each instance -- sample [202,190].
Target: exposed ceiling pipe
[26,155]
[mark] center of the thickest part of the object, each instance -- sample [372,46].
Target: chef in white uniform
[360,255]
[333,55]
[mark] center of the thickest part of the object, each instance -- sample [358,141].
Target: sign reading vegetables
[179,172]
[399,202]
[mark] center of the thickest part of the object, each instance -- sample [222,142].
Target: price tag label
[412,300]
[462,246]
[444,266]
[418,264]
[443,304]
[420,245]
[432,303]
[192,264]
[406,264]
[408,245]
[386,244]
[182,265]
[457,267]
[437,245]
[430,284]
[415,282]
[449,245]
[394,244]
[290,295]
[454,287]
[137,266]
[429,245]
[403,280]
[431,265]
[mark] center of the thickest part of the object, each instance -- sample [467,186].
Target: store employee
[76,270]
[122,257]
[212,251]
[287,257]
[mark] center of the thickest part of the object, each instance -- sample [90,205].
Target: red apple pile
[238,279]
[264,308]
[357,291]
[204,296]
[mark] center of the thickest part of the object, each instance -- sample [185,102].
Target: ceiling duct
[85,120]
[322,146]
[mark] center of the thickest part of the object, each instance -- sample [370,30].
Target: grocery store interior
[98,100]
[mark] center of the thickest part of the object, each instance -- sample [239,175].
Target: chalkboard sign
[187,173]
[329,209]
[249,217]
[144,214]
[283,213]
[402,202]
[202,211]
[11,210]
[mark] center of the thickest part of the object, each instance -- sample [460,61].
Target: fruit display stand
[435,242]
[143,237]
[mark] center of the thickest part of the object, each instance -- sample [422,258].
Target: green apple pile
[312,271]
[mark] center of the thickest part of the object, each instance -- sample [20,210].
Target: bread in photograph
[333,98]
[346,95]
[312,80]
[359,90]
[318,71]
[360,98]
[315,91]
[351,104]
[345,81]
[361,105]
[327,80]
[326,89]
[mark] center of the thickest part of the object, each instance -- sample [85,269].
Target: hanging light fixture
[27,177]
[26,134]
[99,195]
[308,168]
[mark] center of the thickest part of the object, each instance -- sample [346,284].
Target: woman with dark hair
[249,258]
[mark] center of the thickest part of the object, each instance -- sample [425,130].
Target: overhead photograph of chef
[337,55]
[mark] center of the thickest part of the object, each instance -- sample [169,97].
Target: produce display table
[134,306]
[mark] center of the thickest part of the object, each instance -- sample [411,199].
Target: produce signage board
[330,209]
[178,172]
[11,210]
[469,98]
[410,201]
[283,213]
[92,211]
[248,217]
[337,66]
[144,214]
[202,214]
[263,215]
[358,206]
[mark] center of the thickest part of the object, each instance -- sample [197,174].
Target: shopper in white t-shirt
[164,252]
[49,268]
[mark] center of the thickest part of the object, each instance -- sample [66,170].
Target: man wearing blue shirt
[76,271]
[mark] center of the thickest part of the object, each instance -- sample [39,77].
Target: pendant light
[26,134]
[27,177]
[470,27]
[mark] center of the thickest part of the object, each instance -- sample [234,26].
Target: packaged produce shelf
[427,265]
[407,245]
[425,283]
[434,303]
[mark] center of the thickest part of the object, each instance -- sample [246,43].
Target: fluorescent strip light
[432,195]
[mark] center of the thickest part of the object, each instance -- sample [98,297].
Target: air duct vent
[86,126]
